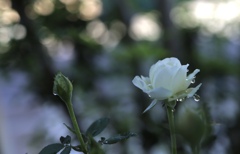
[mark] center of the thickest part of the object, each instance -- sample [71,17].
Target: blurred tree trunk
[171,39]
[32,53]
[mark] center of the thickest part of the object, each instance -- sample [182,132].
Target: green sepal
[119,137]
[62,87]
[171,104]
[153,103]
[97,127]
[52,148]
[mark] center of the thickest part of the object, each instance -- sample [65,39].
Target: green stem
[76,128]
[170,115]
[195,150]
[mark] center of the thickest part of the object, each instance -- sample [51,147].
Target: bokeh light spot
[43,7]
[18,32]
[90,9]
[5,35]
[108,37]
[9,16]
[213,17]
[145,27]
[95,29]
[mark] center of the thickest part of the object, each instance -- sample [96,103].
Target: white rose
[167,80]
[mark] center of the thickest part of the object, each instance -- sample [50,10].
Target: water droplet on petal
[193,80]
[196,97]
[180,99]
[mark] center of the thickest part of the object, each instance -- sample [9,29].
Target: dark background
[101,45]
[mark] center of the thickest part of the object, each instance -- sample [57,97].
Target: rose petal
[172,61]
[179,80]
[192,91]
[155,68]
[163,78]
[160,93]
[191,76]
[141,83]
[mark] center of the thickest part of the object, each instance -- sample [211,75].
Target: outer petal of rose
[173,60]
[146,80]
[179,80]
[191,76]
[163,77]
[153,69]
[192,91]
[140,83]
[159,93]
[161,64]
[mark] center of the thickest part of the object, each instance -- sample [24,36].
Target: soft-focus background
[101,45]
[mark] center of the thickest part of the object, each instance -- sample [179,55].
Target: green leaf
[97,127]
[69,128]
[67,150]
[154,102]
[65,140]
[62,87]
[119,137]
[52,148]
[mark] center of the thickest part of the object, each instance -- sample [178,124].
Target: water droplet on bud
[196,97]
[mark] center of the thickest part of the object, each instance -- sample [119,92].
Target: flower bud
[62,87]
[190,124]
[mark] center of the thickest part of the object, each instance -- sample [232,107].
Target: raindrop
[180,99]
[193,80]
[149,96]
[54,93]
[196,97]
[173,110]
